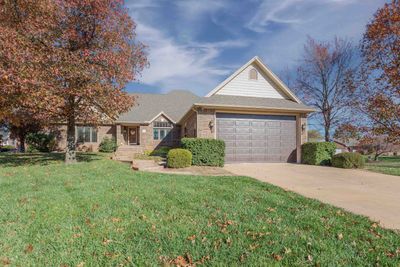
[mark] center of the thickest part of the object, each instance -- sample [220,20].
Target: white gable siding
[241,85]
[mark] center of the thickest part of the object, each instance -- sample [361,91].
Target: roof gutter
[305,110]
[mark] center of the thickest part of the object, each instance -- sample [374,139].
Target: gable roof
[148,107]
[256,60]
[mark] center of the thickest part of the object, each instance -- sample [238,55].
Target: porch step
[126,153]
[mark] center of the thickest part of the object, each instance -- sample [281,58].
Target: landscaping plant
[179,158]
[40,142]
[108,145]
[317,153]
[348,160]
[206,152]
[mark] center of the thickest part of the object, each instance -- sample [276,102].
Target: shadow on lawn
[19,159]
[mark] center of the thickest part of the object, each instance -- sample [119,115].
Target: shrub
[206,152]
[348,160]
[40,142]
[108,145]
[179,158]
[317,153]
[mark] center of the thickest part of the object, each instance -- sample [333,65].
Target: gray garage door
[257,138]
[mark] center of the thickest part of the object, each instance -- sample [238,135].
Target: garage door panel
[227,130]
[226,123]
[229,144]
[273,131]
[243,144]
[258,131]
[258,143]
[242,123]
[243,158]
[227,137]
[258,158]
[258,124]
[243,137]
[229,150]
[257,138]
[258,151]
[242,130]
[273,124]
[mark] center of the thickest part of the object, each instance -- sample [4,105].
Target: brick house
[253,111]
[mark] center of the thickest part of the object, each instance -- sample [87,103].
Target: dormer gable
[254,79]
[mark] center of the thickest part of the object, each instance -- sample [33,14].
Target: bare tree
[321,80]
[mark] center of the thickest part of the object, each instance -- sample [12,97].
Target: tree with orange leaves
[67,61]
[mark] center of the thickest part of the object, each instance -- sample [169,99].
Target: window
[155,134]
[253,74]
[86,134]
[162,124]
[161,130]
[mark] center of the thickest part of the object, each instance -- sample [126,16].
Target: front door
[132,135]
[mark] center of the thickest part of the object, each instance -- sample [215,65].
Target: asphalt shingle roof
[176,104]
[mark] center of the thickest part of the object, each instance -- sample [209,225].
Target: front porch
[128,135]
[131,140]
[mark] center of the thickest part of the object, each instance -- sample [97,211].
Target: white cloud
[288,12]
[179,66]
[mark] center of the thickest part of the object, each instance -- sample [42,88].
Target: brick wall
[204,117]
[189,127]
[102,131]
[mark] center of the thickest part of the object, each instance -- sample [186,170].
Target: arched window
[253,74]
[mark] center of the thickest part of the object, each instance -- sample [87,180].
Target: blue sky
[195,44]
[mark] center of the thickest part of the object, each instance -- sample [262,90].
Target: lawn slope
[386,165]
[99,212]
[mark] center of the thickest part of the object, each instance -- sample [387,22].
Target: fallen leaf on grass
[29,249]
[192,237]
[114,219]
[77,235]
[277,257]
[5,261]
[106,241]
[340,236]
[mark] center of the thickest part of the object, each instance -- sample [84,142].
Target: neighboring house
[5,139]
[256,115]
[341,147]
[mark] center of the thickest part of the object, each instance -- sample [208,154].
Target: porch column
[118,135]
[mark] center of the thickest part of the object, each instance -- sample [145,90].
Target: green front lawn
[100,213]
[386,165]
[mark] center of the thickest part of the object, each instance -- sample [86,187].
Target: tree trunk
[327,134]
[21,146]
[70,154]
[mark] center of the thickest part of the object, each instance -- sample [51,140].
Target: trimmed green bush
[179,158]
[348,160]
[206,152]
[317,153]
[108,145]
[40,142]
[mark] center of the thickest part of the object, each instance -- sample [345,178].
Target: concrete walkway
[371,194]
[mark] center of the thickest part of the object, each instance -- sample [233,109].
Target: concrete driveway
[371,194]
